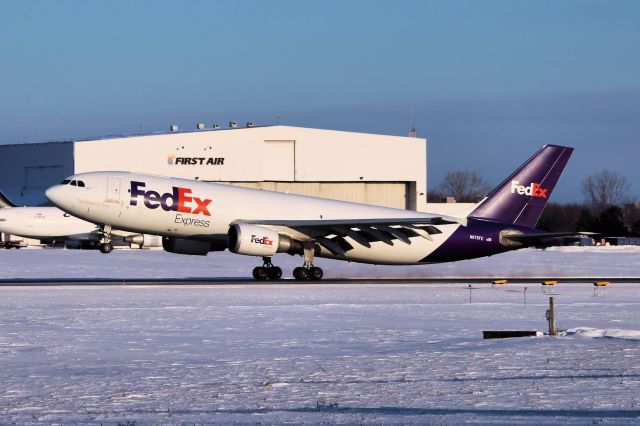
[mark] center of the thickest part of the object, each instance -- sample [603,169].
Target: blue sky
[489,81]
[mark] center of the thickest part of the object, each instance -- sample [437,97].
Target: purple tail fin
[520,199]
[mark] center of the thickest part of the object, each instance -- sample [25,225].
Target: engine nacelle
[144,240]
[185,246]
[254,240]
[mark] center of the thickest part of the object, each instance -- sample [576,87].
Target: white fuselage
[191,209]
[44,223]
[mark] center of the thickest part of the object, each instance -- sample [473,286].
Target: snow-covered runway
[311,354]
[553,262]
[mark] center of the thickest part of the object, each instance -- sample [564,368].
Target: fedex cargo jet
[197,217]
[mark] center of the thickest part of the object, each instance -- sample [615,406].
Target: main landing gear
[308,271]
[302,273]
[267,271]
[105,242]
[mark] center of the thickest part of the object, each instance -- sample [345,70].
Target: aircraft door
[113,189]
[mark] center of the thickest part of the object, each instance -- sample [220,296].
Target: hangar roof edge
[164,133]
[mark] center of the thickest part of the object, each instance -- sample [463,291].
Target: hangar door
[388,194]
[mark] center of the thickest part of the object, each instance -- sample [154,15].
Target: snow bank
[614,333]
[595,249]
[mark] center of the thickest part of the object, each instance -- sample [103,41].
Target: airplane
[51,223]
[196,217]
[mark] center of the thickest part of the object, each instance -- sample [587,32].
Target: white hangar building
[365,168]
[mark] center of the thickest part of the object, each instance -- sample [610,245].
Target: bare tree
[464,185]
[605,189]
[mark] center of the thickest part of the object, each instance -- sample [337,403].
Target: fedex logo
[179,200]
[533,190]
[265,241]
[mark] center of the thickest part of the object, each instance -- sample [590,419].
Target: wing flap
[397,233]
[331,245]
[356,236]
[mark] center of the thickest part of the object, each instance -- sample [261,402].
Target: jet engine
[254,240]
[144,240]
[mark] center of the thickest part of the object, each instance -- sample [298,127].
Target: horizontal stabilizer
[543,237]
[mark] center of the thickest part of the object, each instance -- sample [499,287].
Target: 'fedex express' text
[179,200]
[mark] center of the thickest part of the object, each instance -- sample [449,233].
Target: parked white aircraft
[197,217]
[51,223]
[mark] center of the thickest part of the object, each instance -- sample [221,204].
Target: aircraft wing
[331,233]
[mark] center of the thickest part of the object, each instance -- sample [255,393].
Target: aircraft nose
[55,195]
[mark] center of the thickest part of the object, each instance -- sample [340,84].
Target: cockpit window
[73,183]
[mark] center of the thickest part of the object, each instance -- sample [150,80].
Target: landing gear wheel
[300,273]
[260,273]
[315,273]
[105,241]
[274,273]
[267,271]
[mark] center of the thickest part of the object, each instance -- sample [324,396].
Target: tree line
[606,209]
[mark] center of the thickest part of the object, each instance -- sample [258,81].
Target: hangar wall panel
[278,159]
[353,156]
[167,155]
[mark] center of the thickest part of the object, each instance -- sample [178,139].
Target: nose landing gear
[106,248]
[105,242]
[267,271]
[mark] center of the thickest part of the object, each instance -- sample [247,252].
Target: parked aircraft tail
[521,198]
[5,202]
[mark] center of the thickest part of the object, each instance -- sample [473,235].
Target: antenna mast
[413,133]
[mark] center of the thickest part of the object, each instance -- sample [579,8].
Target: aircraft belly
[49,230]
[399,253]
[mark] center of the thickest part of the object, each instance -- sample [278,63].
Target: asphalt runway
[213,281]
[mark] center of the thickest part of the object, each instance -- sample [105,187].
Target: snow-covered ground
[309,353]
[555,262]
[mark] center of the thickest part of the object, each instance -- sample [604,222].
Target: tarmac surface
[217,281]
